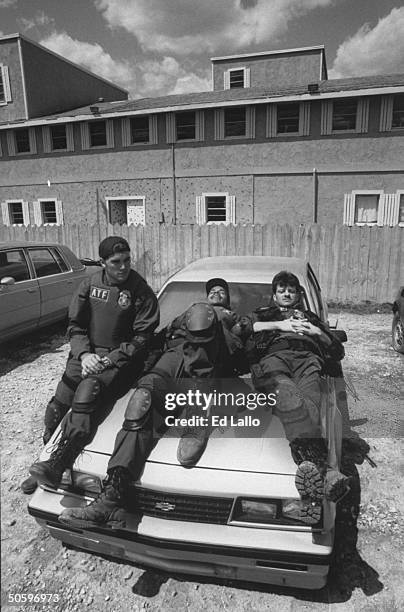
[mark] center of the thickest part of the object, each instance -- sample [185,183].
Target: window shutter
[170,127]
[69,137]
[386,113]
[109,128]
[85,136]
[37,212]
[271,127]
[32,140]
[59,212]
[231,209]
[362,116]
[349,209]
[326,117]
[11,142]
[304,119]
[226,77]
[250,121]
[199,125]
[6,83]
[153,134]
[6,213]
[46,137]
[200,213]
[126,132]
[247,77]
[219,124]
[388,209]
[25,213]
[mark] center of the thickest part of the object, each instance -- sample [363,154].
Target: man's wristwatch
[106,362]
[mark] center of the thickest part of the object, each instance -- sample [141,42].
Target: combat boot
[50,472]
[106,509]
[314,479]
[192,444]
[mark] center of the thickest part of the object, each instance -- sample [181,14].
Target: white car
[228,516]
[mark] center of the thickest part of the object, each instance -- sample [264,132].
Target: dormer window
[237,78]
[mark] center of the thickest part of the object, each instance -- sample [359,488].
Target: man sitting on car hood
[112,318]
[196,362]
[288,348]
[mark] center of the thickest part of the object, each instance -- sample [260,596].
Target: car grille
[173,506]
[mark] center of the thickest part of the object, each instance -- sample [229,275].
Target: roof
[265,53]
[355,86]
[240,268]
[17,244]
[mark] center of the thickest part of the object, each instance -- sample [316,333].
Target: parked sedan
[397,331]
[231,516]
[37,281]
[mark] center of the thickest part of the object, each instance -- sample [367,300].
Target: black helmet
[200,323]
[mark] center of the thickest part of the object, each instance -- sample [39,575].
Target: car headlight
[81,483]
[269,512]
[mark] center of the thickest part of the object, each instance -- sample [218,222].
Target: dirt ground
[367,573]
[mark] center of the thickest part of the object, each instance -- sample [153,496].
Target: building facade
[274,140]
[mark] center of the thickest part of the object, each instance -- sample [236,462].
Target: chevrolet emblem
[164,506]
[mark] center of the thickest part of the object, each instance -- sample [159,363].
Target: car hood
[233,446]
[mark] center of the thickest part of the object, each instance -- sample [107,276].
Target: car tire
[397,334]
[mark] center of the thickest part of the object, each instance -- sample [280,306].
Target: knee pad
[87,395]
[137,410]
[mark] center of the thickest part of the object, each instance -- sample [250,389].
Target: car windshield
[177,296]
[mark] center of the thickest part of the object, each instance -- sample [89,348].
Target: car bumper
[287,558]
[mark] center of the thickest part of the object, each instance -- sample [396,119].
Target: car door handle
[31,290]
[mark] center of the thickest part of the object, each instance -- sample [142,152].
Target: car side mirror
[339,334]
[7,280]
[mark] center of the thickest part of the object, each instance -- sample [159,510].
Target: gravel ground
[367,570]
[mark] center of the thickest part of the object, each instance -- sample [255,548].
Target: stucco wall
[9,56]
[273,71]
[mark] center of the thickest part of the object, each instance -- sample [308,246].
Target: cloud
[40,19]
[7,3]
[378,50]
[184,27]
[89,55]
[142,78]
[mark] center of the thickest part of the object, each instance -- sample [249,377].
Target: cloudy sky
[159,47]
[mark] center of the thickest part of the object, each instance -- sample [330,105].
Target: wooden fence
[352,263]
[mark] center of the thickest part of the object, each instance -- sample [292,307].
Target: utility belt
[284,344]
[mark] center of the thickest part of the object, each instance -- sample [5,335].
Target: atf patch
[124,299]
[99,293]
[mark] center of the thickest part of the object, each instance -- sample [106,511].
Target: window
[400,197]
[13,263]
[15,212]
[366,208]
[234,122]
[98,133]
[185,125]
[288,118]
[139,129]
[48,211]
[215,208]
[22,144]
[344,114]
[58,137]
[398,112]
[127,210]
[44,262]
[237,77]
[5,91]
